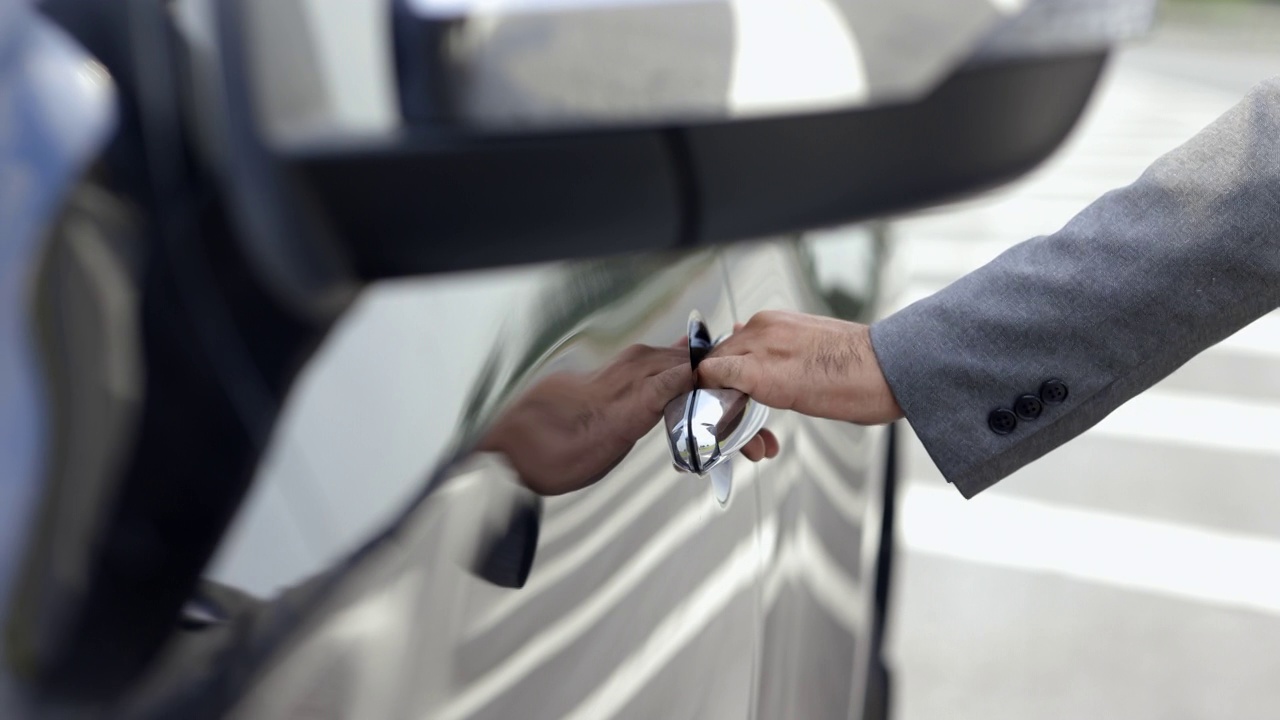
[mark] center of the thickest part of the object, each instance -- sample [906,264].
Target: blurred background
[1135,572]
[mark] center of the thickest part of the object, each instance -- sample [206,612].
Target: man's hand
[569,429]
[814,365]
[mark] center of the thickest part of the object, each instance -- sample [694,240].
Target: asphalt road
[1135,572]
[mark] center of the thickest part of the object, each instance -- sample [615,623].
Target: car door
[271,160]
[821,499]
[368,545]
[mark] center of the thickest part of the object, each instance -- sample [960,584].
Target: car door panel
[640,597]
[820,499]
[245,171]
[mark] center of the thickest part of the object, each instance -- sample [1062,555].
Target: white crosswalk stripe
[1115,549]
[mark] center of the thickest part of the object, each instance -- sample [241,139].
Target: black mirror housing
[441,204]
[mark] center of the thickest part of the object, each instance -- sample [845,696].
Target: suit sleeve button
[1053,392]
[1002,421]
[1028,407]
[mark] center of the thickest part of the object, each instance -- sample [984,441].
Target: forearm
[1130,289]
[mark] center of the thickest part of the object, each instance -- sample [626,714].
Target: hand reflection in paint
[570,429]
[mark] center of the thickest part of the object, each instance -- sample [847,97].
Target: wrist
[875,403]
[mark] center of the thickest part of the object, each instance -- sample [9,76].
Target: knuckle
[634,352]
[766,317]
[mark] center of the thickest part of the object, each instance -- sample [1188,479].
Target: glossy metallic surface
[820,499]
[722,422]
[619,564]
[467,507]
[397,558]
[57,109]
[518,65]
[700,342]
[469,510]
[707,426]
[649,595]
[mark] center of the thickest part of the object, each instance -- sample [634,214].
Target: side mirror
[424,136]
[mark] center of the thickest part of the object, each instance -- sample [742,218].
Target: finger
[737,327]
[633,352]
[737,372]
[665,359]
[755,449]
[739,343]
[667,386]
[655,360]
[771,445]
[681,344]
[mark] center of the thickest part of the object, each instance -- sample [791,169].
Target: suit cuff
[955,409]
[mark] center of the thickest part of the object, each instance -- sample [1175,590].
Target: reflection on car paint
[553,545]
[641,579]
[821,497]
[572,339]
[57,110]
[706,426]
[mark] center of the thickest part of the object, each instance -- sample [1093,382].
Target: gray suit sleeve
[1130,289]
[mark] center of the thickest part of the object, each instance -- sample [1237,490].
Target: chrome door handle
[706,427]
